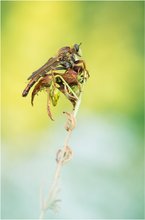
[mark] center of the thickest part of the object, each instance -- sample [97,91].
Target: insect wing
[52,62]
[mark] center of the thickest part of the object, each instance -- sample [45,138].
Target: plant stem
[54,186]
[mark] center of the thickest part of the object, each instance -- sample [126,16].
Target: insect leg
[60,68]
[82,65]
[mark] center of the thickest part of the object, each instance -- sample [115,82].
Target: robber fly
[64,60]
[68,81]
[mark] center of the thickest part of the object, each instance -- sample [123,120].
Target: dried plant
[65,73]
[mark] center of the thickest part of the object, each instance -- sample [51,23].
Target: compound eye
[76,46]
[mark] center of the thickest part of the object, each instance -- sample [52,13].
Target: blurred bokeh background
[105,177]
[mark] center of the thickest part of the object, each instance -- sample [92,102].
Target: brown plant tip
[71,121]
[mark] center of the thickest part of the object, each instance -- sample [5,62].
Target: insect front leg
[81,66]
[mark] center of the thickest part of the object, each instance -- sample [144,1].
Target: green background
[108,140]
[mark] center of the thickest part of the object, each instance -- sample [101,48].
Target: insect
[51,78]
[65,59]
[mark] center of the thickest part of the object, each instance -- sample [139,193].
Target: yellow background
[112,45]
